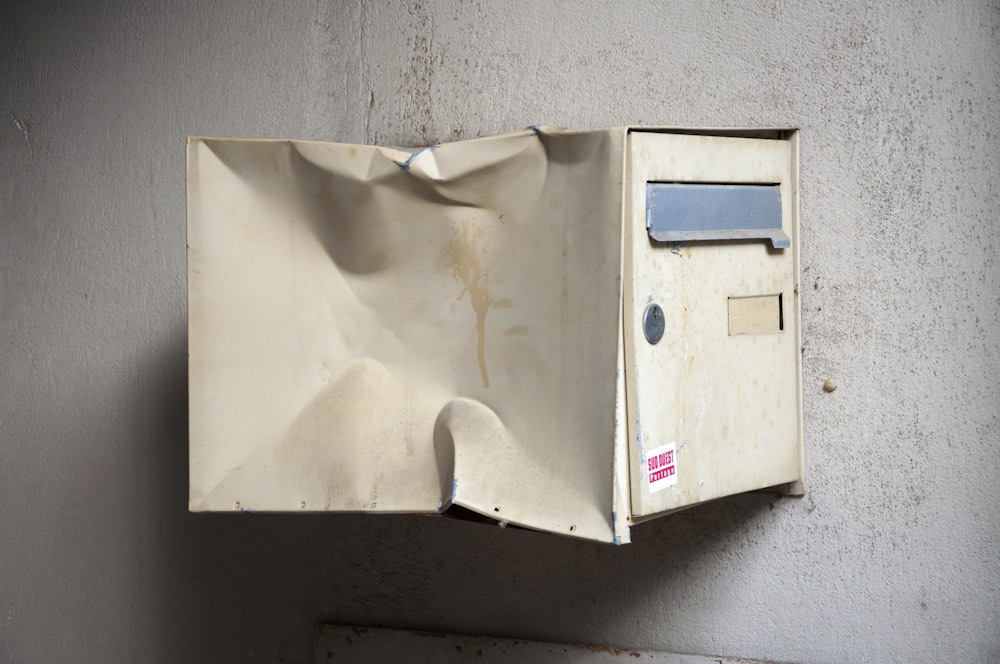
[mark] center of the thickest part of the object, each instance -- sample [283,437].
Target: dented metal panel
[392,331]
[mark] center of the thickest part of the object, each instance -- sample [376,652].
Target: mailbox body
[381,330]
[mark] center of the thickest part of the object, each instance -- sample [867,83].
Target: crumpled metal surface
[391,331]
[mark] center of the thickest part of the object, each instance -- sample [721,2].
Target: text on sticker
[661,466]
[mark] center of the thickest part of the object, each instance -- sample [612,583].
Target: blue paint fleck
[535,128]
[244,510]
[638,436]
[614,522]
[454,488]
[405,165]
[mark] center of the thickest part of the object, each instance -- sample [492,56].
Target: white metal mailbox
[570,331]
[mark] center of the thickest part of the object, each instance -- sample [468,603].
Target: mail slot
[679,212]
[568,331]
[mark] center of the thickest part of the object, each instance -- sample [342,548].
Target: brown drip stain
[462,253]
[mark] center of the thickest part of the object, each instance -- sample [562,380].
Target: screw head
[653,323]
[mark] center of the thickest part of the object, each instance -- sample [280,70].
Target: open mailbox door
[379,330]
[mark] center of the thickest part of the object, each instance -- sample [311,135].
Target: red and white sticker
[661,467]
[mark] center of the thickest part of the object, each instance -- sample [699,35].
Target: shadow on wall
[227,587]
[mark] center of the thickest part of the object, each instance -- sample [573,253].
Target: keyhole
[653,323]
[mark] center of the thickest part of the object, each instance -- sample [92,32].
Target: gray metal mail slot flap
[677,212]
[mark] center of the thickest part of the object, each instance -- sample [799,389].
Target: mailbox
[569,331]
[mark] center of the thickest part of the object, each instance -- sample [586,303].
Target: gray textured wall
[893,555]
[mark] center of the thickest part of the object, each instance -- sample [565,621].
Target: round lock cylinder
[653,323]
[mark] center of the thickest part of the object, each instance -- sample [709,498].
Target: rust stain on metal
[462,253]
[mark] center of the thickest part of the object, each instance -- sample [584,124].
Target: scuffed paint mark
[451,501]
[638,438]
[405,165]
[244,510]
[675,248]
[22,127]
[617,540]
[535,128]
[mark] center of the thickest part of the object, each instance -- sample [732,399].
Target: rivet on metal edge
[653,323]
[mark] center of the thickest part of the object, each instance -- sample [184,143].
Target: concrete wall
[893,554]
